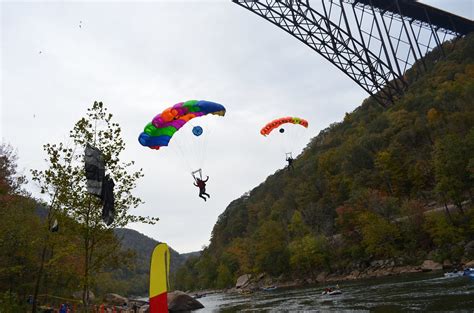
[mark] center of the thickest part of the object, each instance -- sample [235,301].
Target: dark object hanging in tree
[98,183]
[55,227]
[108,210]
[95,170]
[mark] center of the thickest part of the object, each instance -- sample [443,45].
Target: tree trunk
[448,213]
[43,258]
[85,289]
[459,205]
[38,280]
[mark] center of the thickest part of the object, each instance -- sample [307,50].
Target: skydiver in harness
[201,184]
[289,159]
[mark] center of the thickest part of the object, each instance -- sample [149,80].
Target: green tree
[452,157]
[186,276]
[239,256]
[297,228]
[224,277]
[309,254]
[64,183]
[271,254]
[19,231]
[10,181]
[445,236]
[206,268]
[378,235]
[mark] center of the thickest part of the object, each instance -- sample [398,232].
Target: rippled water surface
[410,293]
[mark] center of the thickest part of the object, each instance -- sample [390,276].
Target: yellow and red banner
[159,282]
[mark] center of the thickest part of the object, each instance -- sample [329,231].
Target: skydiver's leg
[201,192]
[206,194]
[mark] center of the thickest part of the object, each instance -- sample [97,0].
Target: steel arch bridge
[374,42]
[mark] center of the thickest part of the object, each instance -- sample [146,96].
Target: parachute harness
[199,172]
[290,136]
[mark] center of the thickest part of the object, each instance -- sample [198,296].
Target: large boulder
[78,295]
[377,263]
[406,269]
[469,264]
[353,275]
[261,276]
[430,265]
[243,281]
[115,299]
[469,249]
[447,264]
[180,301]
[322,277]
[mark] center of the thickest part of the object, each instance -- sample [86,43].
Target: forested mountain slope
[360,188]
[142,248]
[130,278]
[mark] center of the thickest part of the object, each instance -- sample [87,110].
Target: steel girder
[373,46]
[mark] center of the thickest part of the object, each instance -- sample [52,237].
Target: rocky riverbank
[379,268]
[178,301]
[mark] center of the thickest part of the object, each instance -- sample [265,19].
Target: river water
[406,293]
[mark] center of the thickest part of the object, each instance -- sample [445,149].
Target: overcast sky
[57,58]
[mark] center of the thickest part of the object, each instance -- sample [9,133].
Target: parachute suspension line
[195,145]
[189,149]
[282,146]
[282,149]
[181,153]
[200,147]
[288,137]
[295,139]
[205,144]
[196,173]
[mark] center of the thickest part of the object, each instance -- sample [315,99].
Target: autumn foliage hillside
[361,189]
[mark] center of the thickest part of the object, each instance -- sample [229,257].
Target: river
[420,292]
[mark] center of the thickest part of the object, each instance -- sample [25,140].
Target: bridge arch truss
[374,42]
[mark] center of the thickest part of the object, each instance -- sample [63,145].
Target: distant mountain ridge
[144,245]
[138,242]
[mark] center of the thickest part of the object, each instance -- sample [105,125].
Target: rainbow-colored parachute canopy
[158,133]
[267,129]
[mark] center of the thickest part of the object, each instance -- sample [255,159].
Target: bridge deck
[425,13]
